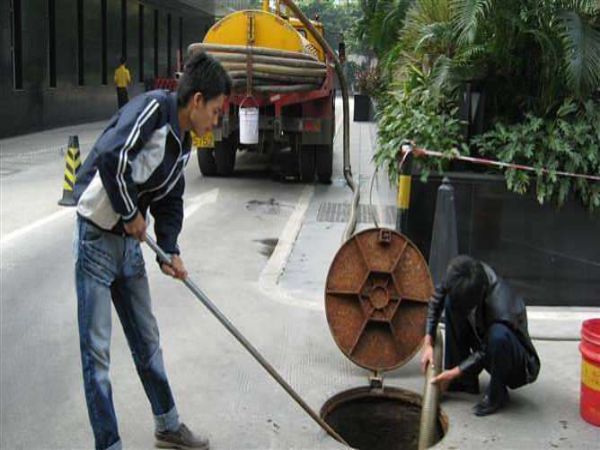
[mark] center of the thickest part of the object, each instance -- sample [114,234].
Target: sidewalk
[544,415]
[288,325]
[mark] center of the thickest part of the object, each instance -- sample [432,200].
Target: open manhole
[376,297]
[369,419]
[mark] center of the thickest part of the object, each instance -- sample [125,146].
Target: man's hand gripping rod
[247,345]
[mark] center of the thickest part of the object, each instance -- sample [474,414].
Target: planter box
[550,255]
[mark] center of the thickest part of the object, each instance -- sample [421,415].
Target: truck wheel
[206,162]
[307,164]
[225,151]
[324,157]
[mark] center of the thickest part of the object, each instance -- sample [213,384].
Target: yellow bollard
[72,163]
[404,182]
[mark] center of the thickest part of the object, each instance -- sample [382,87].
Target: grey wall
[38,105]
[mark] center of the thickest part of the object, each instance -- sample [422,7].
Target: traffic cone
[444,237]
[72,163]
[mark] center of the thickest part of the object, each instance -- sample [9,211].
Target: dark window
[51,43]
[168,45]
[124,28]
[155,43]
[141,42]
[17,45]
[80,68]
[104,48]
[180,54]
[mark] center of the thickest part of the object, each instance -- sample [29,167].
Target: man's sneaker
[182,439]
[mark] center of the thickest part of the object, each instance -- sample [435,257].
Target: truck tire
[206,162]
[225,151]
[324,158]
[307,164]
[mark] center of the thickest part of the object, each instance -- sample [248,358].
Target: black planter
[362,108]
[550,255]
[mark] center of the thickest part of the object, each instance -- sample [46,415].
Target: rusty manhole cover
[376,298]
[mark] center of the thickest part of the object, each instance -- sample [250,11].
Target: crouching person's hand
[444,378]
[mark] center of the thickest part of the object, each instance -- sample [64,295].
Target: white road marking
[20,232]
[197,202]
[269,277]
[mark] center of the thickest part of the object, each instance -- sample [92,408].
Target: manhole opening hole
[379,421]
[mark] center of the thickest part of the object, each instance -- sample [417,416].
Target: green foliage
[537,61]
[380,23]
[338,19]
[529,55]
[415,113]
[570,142]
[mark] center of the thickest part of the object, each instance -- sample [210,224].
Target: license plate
[207,140]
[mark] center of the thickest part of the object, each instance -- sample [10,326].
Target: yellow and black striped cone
[72,163]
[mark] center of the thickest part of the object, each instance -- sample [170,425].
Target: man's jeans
[111,267]
[505,360]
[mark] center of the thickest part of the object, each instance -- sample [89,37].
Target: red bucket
[590,371]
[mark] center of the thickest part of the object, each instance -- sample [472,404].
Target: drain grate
[340,212]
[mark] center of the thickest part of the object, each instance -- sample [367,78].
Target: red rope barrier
[490,162]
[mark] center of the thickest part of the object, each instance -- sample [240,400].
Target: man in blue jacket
[486,328]
[135,167]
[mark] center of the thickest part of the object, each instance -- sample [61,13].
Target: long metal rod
[349,231]
[247,345]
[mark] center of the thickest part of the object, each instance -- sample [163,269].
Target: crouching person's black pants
[505,356]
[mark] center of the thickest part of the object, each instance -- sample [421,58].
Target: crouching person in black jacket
[486,328]
[136,166]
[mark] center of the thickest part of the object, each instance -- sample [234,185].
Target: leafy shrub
[570,142]
[418,115]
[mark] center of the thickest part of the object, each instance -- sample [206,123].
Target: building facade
[57,57]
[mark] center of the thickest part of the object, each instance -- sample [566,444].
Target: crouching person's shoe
[182,438]
[490,404]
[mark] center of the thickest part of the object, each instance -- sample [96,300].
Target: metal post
[247,345]
[404,182]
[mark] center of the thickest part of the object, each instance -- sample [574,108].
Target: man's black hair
[202,73]
[466,282]
[122,60]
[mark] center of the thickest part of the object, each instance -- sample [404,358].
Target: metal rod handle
[247,345]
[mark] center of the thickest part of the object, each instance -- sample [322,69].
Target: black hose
[290,62]
[242,75]
[249,50]
[276,69]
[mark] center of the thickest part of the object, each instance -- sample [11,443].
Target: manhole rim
[389,393]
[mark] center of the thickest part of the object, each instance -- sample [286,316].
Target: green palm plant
[550,49]
[581,45]
[381,23]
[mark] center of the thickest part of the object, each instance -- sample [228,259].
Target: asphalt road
[232,227]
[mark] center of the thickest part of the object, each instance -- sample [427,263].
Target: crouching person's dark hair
[202,73]
[466,281]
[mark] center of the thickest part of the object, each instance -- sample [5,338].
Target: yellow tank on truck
[262,29]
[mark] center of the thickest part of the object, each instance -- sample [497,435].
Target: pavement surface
[261,250]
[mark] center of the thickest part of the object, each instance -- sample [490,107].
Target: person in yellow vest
[122,80]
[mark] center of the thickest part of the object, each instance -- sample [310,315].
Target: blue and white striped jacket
[137,164]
